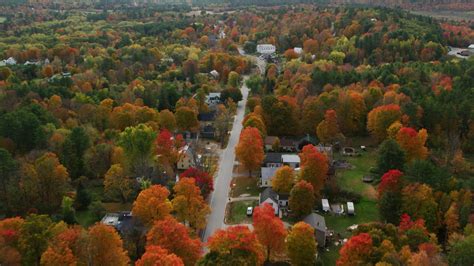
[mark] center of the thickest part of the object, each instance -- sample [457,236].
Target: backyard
[237,211]
[366,210]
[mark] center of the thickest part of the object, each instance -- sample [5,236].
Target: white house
[214,74]
[213,98]
[8,62]
[298,50]
[266,48]
[271,197]
[471,47]
[325,203]
[292,160]
[185,160]
[267,174]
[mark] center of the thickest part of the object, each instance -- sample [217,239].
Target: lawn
[2,19]
[85,218]
[366,210]
[237,211]
[244,185]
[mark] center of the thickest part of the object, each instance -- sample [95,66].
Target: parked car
[249,211]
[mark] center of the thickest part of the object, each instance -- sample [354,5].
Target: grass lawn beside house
[237,211]
[244,185]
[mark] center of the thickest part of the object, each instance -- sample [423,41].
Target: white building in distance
[266,48]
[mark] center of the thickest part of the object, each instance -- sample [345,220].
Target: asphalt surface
[220,196]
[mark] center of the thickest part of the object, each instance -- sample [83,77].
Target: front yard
[237,211]
[243,185]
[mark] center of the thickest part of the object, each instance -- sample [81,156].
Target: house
[298,50]
[266,176]
[288,145]
[269,141]
[208,132]
[214,74]
[279,202]
[206,117]
[325,204]
[213,98]
[292,160]
[122,221]
[319,224]
[350,208]
[186,158]
[471,47]
[272,159]
[266,48]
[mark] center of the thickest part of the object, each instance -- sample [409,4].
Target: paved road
[220,196]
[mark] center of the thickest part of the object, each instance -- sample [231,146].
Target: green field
[366,210]
[237,211]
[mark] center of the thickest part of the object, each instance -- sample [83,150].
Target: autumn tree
[167,120]
[203,180]
[189,204]
[390,156]
[104,247]
[302,198]
[155,255]
[117,185]
[356,251]
[283,180]
[137,143]
[380,118]
[310,46]
[152,204]
[9,236]
[34,234]
[390,197]
[451,219]
[235,245]
[301,244]
[175,237]
[413,143]
[8,167]
[314,167]
[460,252]
[234,79]
[418,201]
[168,149]
[270,231]
[249,150]
[328,130]
[186,119]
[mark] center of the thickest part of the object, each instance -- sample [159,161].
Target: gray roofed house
[271,197]
[272,159]
[319,224]
[267,174]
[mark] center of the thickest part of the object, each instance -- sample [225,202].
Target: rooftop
[290,158]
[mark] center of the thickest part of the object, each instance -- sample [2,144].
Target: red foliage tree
[269,229]
[391,181]
[314,167]
[356,251]
[157,256]
[203,180]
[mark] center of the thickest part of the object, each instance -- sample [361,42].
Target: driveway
[220,196]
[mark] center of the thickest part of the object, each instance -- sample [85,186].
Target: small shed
[350,208]
[325,203]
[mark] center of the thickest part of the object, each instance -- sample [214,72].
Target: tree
[419,202]
[301,244]
[356,251]
[233,80]
[68,212]
[270,231]
[390,197]
[117,185]
[9,235]
[104,247]
[8,166]
[380,118]
[137,143]
[310,46]
[152,204]
[83,198]
[52,257]
[175,237]
[233,93]
[390,156]
[314,167]
[189,204]
[203,180]
[328,130]
[413,143]
[168,149]
[249,150]
[238,242]
[167,120]
[74,147]
[460,252]
[186,119]
[255,84]
[155,255]
[283,180]
[451,219]
[302,198]
[34,236]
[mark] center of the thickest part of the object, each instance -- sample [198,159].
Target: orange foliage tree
[155,255]
[9,235]
[314,167]
[301,244]
[269,229]
[175,237]
[104,246]
[152,204]
[413,143]
[189,204]
[356,250]
[328,130]
[249,151]
[283,179]
[380,118]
